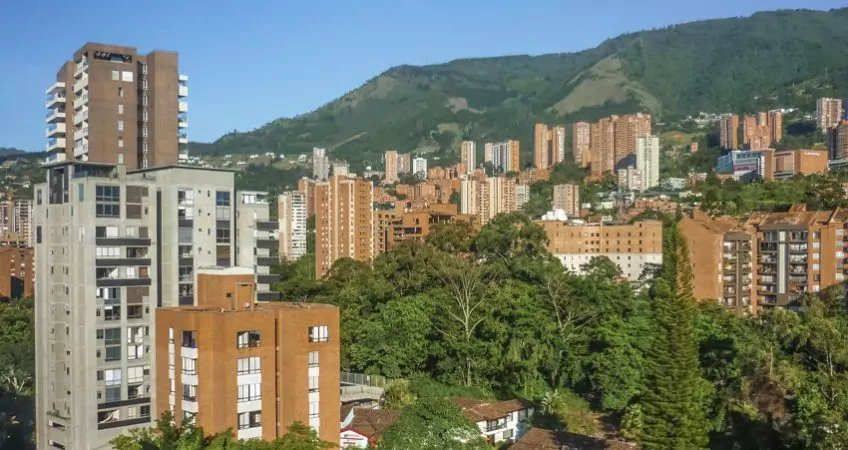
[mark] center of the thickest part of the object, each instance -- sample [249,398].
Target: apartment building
[548,145]
[488,153]
[648,160]
[769,260]
[505,156]
[320,163]
[628,129]
[291,213]
[112,246]
[837,142]
[419,167]
[487,197]
[829,112]
[567,198]
[257,241]
[468,156]
[344,222]
[631,247]
[789,163]
[113,105]
[581,143]
[255,368]
[307,188]
[391,158]
[17,276]
[729,132]
[762,130]
[16,227]
[721,253]
[522,196]
[602,146]
[341,168]
[629,179]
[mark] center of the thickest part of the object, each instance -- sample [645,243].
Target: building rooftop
[254,307]
[479,410]
[371,422]
[220,270]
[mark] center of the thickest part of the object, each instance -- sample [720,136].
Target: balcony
[80,147]
[183,107]
[81,101]
[55,129]
[182,138]
[81,116]
[55,88]
[182,123]
[82,67]
[81,133]
[81,84]
[55,115]
[267,278]
[55,100]
[55,158]
[55,143]
[183,78]
[267,225]
[267,261]
[182,90]
[267,296]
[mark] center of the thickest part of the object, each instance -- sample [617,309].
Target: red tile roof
[479,410]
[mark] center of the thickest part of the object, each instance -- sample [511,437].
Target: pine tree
[673,403]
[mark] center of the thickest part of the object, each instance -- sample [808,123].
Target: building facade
[648,161]
[548,145]
[829,112]
[220,362]
[567,198]
[631,247]
[391,158]
[506,156]
[112,105]
[16,223]
[111,247]
[419,167]
[468,156]
[320,163]
[729,132]
[581,143]
[17,274]
[291,213]
[344,222]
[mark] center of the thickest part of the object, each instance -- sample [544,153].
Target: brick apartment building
[581,139]
[567,198]
[770,259]
[17,275]
[111,104]
[548,145]
[255,368]
[631,247]
[344,221]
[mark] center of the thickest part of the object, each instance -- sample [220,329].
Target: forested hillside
[784,58]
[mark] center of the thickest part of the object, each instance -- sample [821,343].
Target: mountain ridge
[736,64]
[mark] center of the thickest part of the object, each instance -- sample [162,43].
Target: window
[106,232]
[135,311]
[222,198]
[135,374]
[145,411]
[107,252]
[120,108]
[246,339]
[222,235]
[120,142]
[190,392]
[113,353]
[121,92]
[319,334]
[189,339]
[127,76]
[115,75]
[112,336]
[314,410]
[249,392]
[112,313]
[110,415]
[507,434]
[113,394]
[249,419]
[522,414]
[248,365]
[112,377]
[120,125]
[135,351]
[190,366]
[313,359]
[313,384]
[108,201]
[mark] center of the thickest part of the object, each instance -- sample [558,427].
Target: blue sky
[252,61]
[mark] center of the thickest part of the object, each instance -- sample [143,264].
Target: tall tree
[673,401]
[433,424]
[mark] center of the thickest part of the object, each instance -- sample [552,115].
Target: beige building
[828,113]
[567,198]
[468,156]
[391,167]
[344,222]
[631,247]
[219,363]
[291,214]
[112,105]
[729,132]
[548,145]
[581,144]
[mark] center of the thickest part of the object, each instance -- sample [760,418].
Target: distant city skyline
[249,66]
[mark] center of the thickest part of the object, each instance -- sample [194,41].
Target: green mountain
[783,58]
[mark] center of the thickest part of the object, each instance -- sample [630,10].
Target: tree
[467,305]
[674,396]
[167,435]
[433,424]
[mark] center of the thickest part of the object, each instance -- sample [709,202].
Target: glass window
[189,366]
[246,339]
[319,334]
[120,125]
[222,198]
[120,142]
[115,75]
[120,108]
[313,359]
[249,392]
[248,365]
[313,384]
[135,374]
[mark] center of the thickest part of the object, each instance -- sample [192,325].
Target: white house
[503,421]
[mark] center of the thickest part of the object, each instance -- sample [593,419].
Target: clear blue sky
[252,61]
